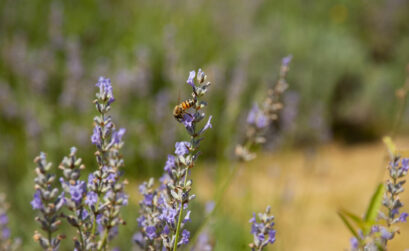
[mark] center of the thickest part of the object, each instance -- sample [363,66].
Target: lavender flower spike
[259,119]
[164,210]
[48,202]
[105,188]
[263,231]
[6,242]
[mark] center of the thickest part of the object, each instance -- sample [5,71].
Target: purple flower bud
[271,236]
[375,229]
[261,121]
[185,237]
[5,233]
[354,243]
[96,137]
[187,120]
[385,234]
[405,164]
[91,179]
[286,61]
[36,203]
[208,124]
[148,199]
[395,212]
[91,199]
[141,220]
[187,217]
[190,79]
[124,197]
[77,191]
[403,216]
[4,219]
[182,148]
[169,214]
[170,163]
[105,86]
[138,238]
[166,230]
[117,135]
[151,232]
[251,118]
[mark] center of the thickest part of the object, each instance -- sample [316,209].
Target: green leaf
[374,205]
[348,225]
[358,220]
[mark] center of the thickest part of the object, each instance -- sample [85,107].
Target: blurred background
[349,63]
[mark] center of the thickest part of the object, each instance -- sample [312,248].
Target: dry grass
[305,190]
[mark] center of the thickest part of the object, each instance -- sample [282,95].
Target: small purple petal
[190,79]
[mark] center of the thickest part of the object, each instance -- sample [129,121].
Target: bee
[181,108]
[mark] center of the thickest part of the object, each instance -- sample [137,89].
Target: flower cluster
[380,234]
[263,231]
[106,194]
[48,201]
[93,206]
[6,243]
[76,202]
[259,119]
[162,216]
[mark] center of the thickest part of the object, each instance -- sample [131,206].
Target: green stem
[104,240]
[81,239]
[180,215]
[94,222]
[218,201]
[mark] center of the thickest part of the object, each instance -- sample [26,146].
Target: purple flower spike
[192,75]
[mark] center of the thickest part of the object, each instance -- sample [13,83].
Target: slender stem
[104,240]
[218,201]
[81,239]
[50,237]
[175,245]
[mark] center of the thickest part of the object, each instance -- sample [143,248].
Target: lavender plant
[49,202]
[164,210]
[379,225]
[386,227]
[106,188]
[6,242]
[93,207]
[259,119]
[263,231]
[76,203]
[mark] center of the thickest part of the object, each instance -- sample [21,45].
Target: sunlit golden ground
[305,190]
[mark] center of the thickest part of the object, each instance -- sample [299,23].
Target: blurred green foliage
[349,59]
